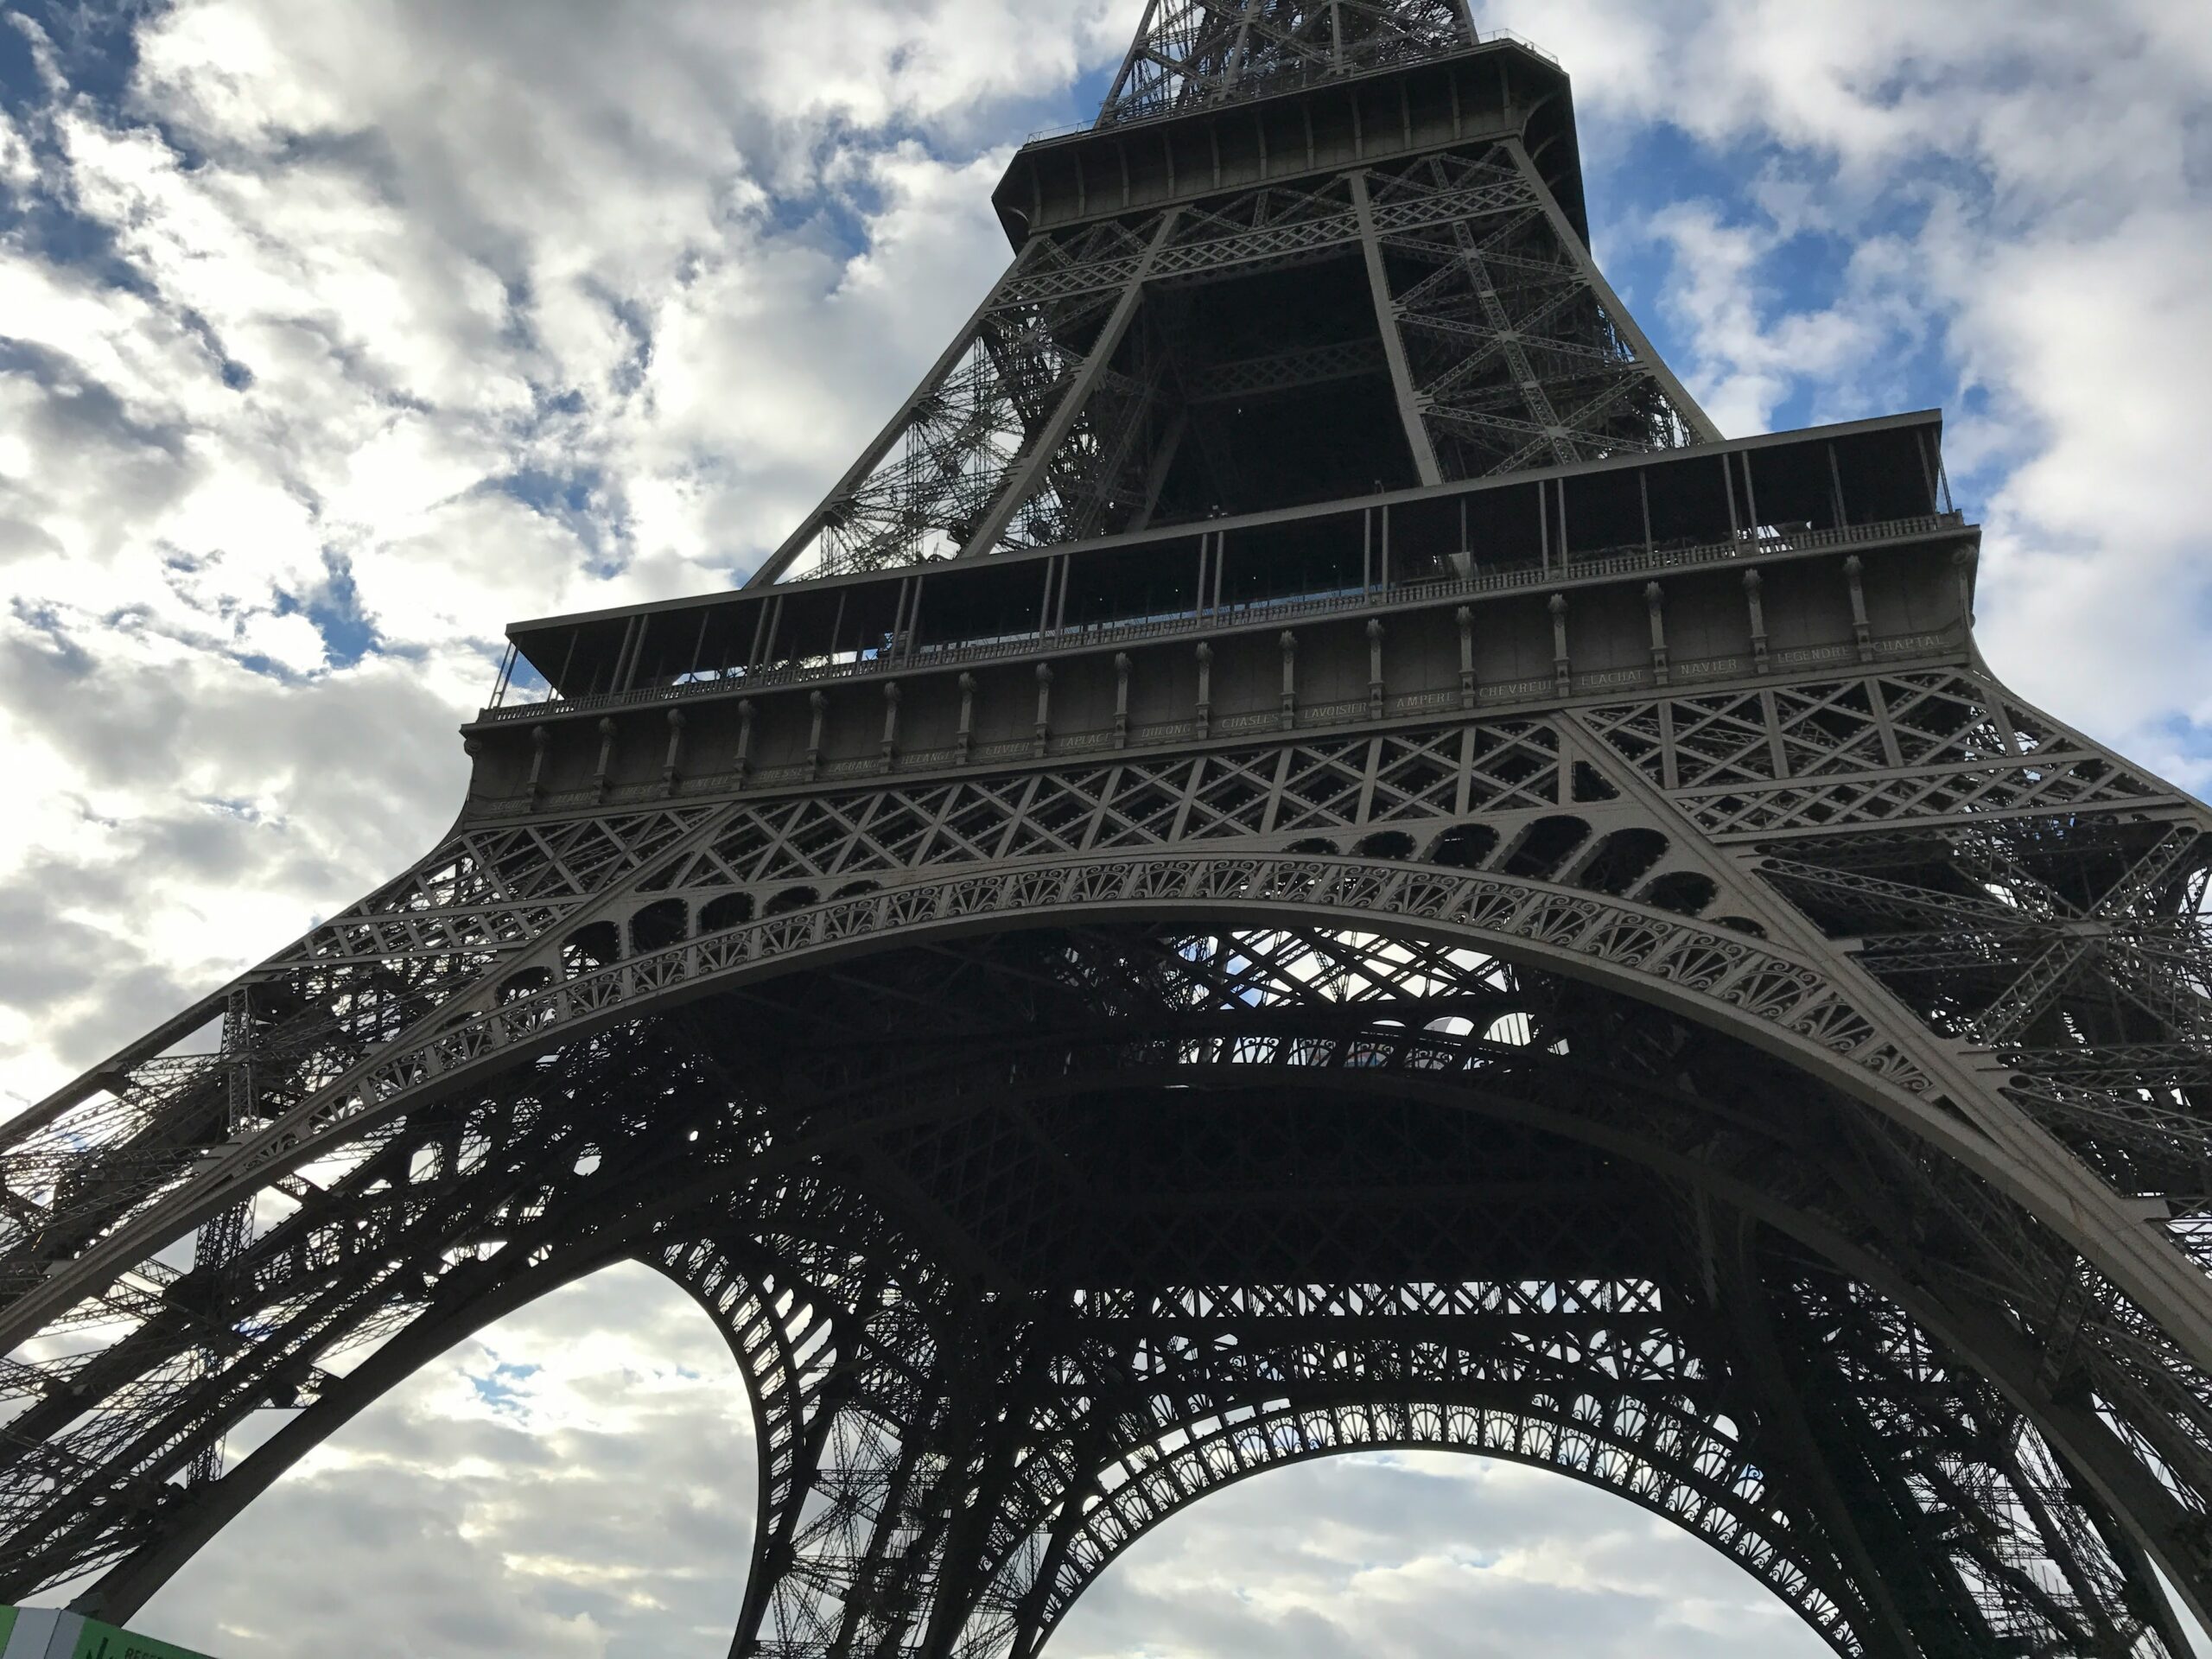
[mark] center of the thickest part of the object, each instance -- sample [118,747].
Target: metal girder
[1190,53]
[1322,974]
[1280,371]
[1776,1093]
[1032,428]
[1393,346]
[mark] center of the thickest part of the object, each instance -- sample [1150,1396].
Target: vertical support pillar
[775,626]
[914,620]
[1289,641]
[614,678]
[1204,713]
[964,740]
[1562,669]
[1464,616]
[898,615]
[537,736]
[698,646]
[1028,473]
[1120,699]
[1654,603]
[754,653]
[558,688]
[1043,705]
[890,744]
[1624,324]
[1752,583]
[1374,668]
[605,758]
[744,767]
[673,759]
[1742,1299]
[817,705]
[1862,634]
[1394,345]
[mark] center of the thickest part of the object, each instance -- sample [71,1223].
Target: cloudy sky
[333,336]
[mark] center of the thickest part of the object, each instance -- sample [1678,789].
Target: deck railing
[1138,630]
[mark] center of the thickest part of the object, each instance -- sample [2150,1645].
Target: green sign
[44,1633]
[98,1640]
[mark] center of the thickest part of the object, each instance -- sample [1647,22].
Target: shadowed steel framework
[1300,857]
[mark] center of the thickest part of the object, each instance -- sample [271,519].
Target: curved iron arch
[1752,989]
[1266,1442]
[772,1321]
[1295,907]
[1972,1337]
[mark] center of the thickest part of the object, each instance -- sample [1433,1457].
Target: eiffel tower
[1301,858]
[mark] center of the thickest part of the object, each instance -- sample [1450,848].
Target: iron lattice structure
[1301,858]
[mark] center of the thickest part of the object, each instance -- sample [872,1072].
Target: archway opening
[576,1479]
[1372,1010]
[1407,1554]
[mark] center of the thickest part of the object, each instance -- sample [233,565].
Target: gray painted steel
[1403,893]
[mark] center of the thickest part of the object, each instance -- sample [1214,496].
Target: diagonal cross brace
[1046,444]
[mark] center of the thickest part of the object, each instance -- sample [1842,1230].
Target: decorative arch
[381,1373]
[1750,987]
[1718,1512]
[779,1328]
[1725,982]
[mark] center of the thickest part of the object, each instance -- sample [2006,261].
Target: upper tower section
[1307,252]
[1192,52]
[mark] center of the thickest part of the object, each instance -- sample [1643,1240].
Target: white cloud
[2027,193]
[432,323]
[578,1480]
[1413,1555]
[18,166]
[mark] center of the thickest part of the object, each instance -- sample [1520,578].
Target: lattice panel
[971,430]
[1323,784]
[1189,53]
[1515,361]
[1870,750]
[852,1467]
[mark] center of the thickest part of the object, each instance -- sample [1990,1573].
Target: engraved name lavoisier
[1300,856]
